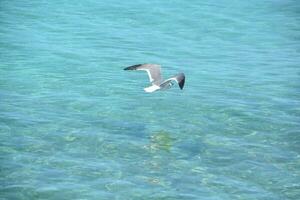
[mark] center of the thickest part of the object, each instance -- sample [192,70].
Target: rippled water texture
[74,125]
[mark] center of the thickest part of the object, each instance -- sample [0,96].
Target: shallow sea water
[74,125]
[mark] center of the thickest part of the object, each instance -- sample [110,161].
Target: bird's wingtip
[133,67]
[181,83]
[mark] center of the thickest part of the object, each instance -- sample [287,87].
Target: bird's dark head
[181,80]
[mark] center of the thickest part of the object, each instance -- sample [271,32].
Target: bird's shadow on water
[161,141]
[182,148]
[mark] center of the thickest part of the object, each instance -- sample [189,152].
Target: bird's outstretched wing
[179,78]
[153,70]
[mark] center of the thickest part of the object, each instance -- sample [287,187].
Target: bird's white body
[162,86]
[152,88]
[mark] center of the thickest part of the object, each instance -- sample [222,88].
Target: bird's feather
[179,78]
[153,71]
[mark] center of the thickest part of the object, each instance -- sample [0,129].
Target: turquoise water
[74,125]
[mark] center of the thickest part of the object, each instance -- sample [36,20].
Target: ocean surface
[75,125]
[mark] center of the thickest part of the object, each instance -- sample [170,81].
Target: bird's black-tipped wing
[153,70]
[133,67]
[180,78]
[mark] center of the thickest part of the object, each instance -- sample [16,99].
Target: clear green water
[74,125]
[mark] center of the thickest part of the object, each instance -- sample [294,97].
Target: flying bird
[154,73]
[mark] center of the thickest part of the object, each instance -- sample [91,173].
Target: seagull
[155,77]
